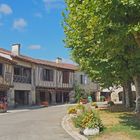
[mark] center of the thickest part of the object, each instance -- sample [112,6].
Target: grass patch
[119,125]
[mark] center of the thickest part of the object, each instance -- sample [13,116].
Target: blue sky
[36,25]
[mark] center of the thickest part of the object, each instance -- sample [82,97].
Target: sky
[36,25]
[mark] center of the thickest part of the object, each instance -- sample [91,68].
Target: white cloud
[39,15]
[54,4]
[5,9]
[19,24]
[34,47]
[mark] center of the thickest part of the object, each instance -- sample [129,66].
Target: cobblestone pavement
[35,124]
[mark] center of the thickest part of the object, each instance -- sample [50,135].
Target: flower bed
[88,121]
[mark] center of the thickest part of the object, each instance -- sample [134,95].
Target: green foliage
[89,119]
[110,103]
[102,98]
[79,93]
[78,120]
[94,104]
[81,107]
[102,38]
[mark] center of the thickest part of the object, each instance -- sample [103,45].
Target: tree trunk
[137,38]
[137,86]
[128,94]
[123,96]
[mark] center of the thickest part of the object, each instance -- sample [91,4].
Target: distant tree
[79,93]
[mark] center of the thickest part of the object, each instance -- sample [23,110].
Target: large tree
[103,37]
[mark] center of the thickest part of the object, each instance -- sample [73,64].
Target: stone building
[85,83]
[28,81]
[32,81]
[6,77]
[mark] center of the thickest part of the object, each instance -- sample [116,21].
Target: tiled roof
[39,61]
[7,59]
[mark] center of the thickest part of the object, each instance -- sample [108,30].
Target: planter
[91,131]
[45,103]
[3,107]
[83,101]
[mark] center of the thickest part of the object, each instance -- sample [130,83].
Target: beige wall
[57,81]
[88,86]
[30,87]
[7,77]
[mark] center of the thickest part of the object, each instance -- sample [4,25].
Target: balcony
[22,79]
[6,79]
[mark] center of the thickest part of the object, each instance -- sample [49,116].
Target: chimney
[16,49]
[58,60]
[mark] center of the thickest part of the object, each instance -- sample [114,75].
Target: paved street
[37,124]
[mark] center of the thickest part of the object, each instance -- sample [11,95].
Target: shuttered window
[48,74]
[83,79]
[66,77]
[1,69]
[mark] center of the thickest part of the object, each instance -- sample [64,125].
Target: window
[17,71]
[65,77]
[1,69]
[47,75]
[83,79]
[22,74]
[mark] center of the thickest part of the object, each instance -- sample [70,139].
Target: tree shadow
[131,120]
[120,109]
[126,116]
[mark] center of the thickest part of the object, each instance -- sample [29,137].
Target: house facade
[33,81]
[6,76]
[85,83]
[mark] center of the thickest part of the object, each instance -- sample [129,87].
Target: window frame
[48,75]
[65,77]
[2,69]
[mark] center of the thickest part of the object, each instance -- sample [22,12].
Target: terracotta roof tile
[39,61]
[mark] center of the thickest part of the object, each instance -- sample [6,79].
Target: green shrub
[89,119]
[102,98]
[81,107]
[94,104]
[110,103]
[78,120]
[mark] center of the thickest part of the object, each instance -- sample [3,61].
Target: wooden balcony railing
[21,79]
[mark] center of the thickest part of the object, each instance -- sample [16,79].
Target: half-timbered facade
[35,81]
[54,83]
[6,76]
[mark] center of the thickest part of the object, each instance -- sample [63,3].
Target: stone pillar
[33,97]
[71,96]
[37,97]
[29,94]
[62,97]
[47,96]
[53,94]
[98,96]
[11,98]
